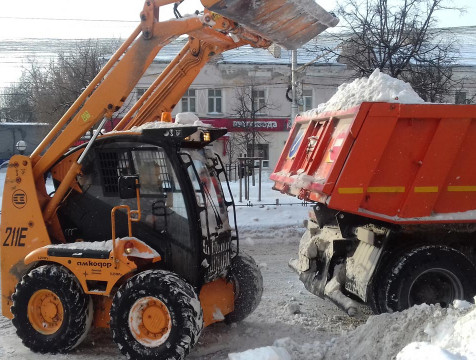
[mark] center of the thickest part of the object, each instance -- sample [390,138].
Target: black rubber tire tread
[179,298]
[375,290]
[376,297]
[414,262]
[76,319]
[249,287]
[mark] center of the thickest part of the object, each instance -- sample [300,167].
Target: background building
[217,92]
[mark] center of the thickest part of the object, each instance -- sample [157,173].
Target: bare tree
[400,39]
[14,106]
[44,93]
[251,104]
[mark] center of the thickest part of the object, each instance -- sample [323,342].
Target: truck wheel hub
[435,286]
[149,321]
[45,312]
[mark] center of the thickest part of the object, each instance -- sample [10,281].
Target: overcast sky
[17,18]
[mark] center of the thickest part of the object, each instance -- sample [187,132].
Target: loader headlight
[206,136]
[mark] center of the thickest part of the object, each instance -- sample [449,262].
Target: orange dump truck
[394,187]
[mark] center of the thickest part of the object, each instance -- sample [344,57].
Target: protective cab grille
[218,251]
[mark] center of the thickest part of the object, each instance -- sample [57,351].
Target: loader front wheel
[432,274]
[156,315]
[248,287]
[51,312]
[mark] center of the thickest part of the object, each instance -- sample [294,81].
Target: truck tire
[376,295]
[51,311]
[429,274]
[156,315]
[248,286]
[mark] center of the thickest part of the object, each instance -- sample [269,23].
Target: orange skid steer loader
[136,236]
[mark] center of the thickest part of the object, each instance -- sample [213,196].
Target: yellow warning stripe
[351,190]
[461,188]
[425,189]
[386,189]
[372,189]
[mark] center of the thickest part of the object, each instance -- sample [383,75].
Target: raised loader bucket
[289,23]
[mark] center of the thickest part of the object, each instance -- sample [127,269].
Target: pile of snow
[421,332]
[181,120]
[264,353]
[188,118]
[377,87]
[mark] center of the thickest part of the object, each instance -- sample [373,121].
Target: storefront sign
[239,125]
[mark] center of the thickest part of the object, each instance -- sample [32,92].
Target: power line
[58,19]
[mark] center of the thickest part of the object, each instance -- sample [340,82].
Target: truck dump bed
[400,163]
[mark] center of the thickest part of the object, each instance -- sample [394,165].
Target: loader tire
[248,287]
[156,315]
[432,274]
[52,314]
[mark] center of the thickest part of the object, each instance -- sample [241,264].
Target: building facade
[216,96]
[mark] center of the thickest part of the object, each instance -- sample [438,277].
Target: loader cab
[183,208]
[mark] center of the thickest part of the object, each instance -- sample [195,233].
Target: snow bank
[377,87]
[421,332]
[264,353]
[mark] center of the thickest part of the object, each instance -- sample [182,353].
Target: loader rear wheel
[431,274]
[248,284]
[51,312]
[156,315]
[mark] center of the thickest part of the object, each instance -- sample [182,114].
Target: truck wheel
[51,311]
[156,315]
[431,274]
[376,294]
[248,284]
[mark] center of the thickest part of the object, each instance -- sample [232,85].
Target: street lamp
[21,146]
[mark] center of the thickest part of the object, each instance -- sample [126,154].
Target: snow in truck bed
[377,87]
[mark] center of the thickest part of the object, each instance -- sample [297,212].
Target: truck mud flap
[289,23]
[315,279]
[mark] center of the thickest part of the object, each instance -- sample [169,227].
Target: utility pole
[294,105]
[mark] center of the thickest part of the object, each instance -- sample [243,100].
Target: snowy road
[319,320]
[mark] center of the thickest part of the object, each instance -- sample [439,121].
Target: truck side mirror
[127,186]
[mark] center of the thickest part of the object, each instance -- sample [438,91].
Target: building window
[460,97]
[214,101]
[188,101]
[259,101]
[262,151]
[140,92]
[307,100]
